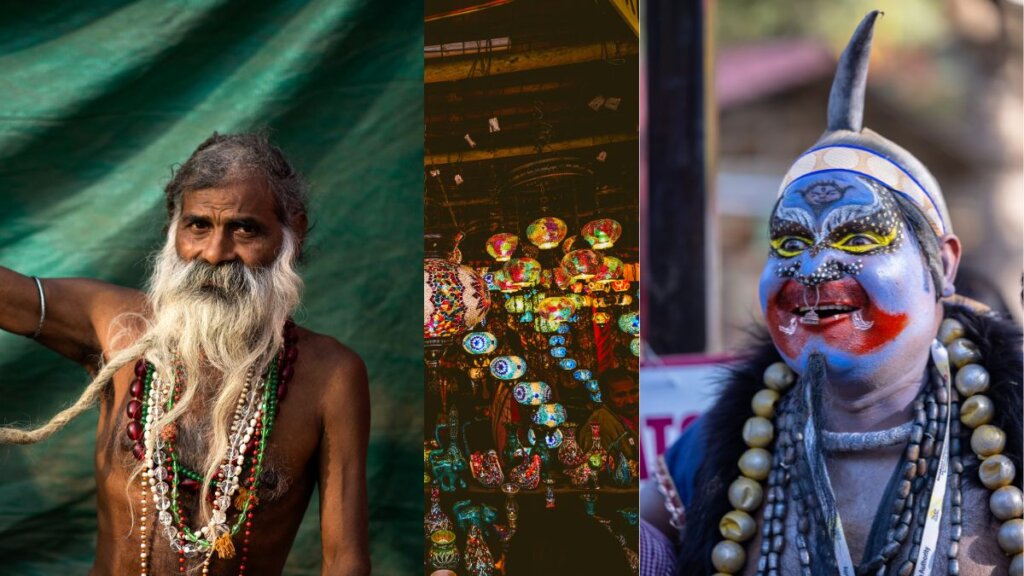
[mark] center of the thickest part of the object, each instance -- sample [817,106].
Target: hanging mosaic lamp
[582,374]
[455,298]
[580,301]
[555,309]
[553,438]
[531,393]
[630,323]
[523,272]
[508,367]
[503,281]
[562,279]
[547,277]
[550,415]
[602,233]
[601,318]
[620,285]
[546,232]
[558,352]
[567,364]
[593,386]
[563,329]
[610,270]
[489,280]
[502,245]
[581,264]
[634,347]
[479,343]
[556,341]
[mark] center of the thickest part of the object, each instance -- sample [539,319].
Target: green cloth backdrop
[97,101]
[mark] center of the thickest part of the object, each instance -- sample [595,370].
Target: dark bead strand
[955,467]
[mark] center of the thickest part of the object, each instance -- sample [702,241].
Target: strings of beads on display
[164,476]
[920,466]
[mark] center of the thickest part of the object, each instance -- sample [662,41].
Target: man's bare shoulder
[337,368]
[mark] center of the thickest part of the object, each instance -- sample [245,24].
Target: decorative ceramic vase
[621,474]
[513,448]
[527,474]
[570,454]
[486,468]
[443,555]
[435,519]
[478,559]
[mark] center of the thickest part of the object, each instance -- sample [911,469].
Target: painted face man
[218,415]
[879,431]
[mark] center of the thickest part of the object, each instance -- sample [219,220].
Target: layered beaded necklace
[929,461]
[237,480]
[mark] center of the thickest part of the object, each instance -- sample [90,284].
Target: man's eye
[860,240]
[788,246]
[793,244]
[198,225]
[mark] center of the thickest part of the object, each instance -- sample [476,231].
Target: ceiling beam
[450,70]
[562,146]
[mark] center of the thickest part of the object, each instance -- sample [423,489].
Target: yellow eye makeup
[789,246]
[865,241]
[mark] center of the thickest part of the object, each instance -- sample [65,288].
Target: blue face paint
[844,278]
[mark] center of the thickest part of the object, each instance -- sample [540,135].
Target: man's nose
[219,248]
[816,268]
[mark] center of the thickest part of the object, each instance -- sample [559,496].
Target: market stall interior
[530,287]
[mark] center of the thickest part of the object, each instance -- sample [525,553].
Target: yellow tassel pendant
[224,547]
[244,495]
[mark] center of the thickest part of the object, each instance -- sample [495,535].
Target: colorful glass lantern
[546,232]
[503,281]
[602,233]
[579,300]
[455,298]
[553,438]
[567,364]
[508,367]
[523,272]
[558,352]
[479,342]
[562,279]
[601,318]
[556,341]
[489,280]
[582,374]
[515,304]
[547,277]
[556,309]
[634,347]
[531,393]
[630,323]
[544,327]
[563,329]
[502,245]
[610,269]
[593,386]
[620,285]
[581,264]
[550,415]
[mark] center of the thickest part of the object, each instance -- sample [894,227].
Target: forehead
[622,385]
[822,192]
[250,196]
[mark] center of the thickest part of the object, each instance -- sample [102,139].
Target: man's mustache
[228,279]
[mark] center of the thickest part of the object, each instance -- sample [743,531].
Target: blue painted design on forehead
[914,179]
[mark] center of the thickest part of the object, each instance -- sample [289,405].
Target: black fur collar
[1000,344]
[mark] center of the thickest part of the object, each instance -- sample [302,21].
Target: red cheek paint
[836,331]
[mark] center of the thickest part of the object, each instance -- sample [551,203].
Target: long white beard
[219,325]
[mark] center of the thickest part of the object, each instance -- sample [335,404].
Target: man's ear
[300,225]
[949,253]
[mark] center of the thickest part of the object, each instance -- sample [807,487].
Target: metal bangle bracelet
[42,308]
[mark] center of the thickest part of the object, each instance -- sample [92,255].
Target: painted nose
[820,268]
[219,249]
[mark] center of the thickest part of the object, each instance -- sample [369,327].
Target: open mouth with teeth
[839,313]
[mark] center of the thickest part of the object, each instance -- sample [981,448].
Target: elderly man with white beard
[218,415]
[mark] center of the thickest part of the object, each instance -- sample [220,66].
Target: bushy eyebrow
[239,222]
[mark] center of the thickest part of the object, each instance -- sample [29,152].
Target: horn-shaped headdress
[847,145]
